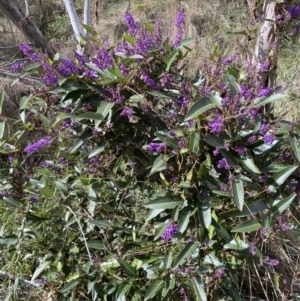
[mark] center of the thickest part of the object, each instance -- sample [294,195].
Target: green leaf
[198,288]
[14,202]
[249,165]
[89,29]
[1,101]
[171,58]
[295,143]
[204,212]
[282,205]
[194,143]
[186,253]
[229,287]
[238,193]
[166,202]
[155,286]
[280,177]
[2,129]
[184,220]
[101,223]
[221,231]
[234,86]
[168,260]
[214,141]
[153,213]
[81,140]
[122,290]
[128,269]
[104,108]
[263,100]
[61,186]
[103,147]
[46,192]
[247,226]
[186,41]
[252,207]
[170,141]
[96,244]
[40,269]
[72,284]
[89,115]
[200,106]
[129,39]
[24,102]
[158,165]
[8,240]
[149,27]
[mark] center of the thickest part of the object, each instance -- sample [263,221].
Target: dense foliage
[142,183]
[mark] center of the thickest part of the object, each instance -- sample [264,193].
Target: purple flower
[223,164]
[216,127]
[169,232]
[216,152]
[103,59]
[149,81]
[251,139]
[284,227]
[263,129]
[62,161]
[17,66]
[262,231]
[240,150]
[178,38]
[50,79]
[264,66]
[66,67]
[265,92]
[129,20]
[156,147]
[91,74]
[33,199]
[34,57]
[96,160]
[269,139]
[293,12]
[181,142]
[223,187]
[180,17]
[272,262]
[221,272]
[161,147]
[127,112]
[25,48]
[229,59]
[252,248]
[38,145]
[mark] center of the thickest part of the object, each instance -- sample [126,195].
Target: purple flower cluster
[182,142]
[271,262]
[264,92]
[129,20]
[50,79]
[66,67]
[156,147]
[223,164]
[127,112]
[33,148]
[217,125]
[33,199]
[180,18]
[18,65]
[269,139]
[241,150]
[169,232]
[263,129]
[229,59]
[293,12]
[264,66]
[103,59]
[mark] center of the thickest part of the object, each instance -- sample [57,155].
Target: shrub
[147,184]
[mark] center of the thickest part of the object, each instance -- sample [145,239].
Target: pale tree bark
[77,28]
[30,30]
[267,46]
[87,15]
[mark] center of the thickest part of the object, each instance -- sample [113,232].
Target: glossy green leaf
[128,269]
[166,202]
[96,244]
[103,147]
[249,165]
[129,39]
[199,107]
[186,41]
[238,193]
[168,260]
[69,286]
[186,253]
[198,287]
[252,207]
[280,177]
[194,142]
[2,129]
[184,220]
[295,143]
[247,226]
[158,165]
[104,108]
[81,140]
[122,290]
[282,205]
[101,223]
[8,240]
[221,231]
[204,213]
[214,141]
[171,58]
[153,213]
[13,202]
[155,286]
[170,141]
[234,86]
[149,27]
[265,100]
[40,269]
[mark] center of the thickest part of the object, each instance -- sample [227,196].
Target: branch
[27,8]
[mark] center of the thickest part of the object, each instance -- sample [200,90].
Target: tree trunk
[30,30]
[87,15]
[77,28]
[267,46]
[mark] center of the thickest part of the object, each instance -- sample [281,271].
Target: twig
[27,8]
[12,277]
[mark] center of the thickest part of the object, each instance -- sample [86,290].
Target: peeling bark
[267,46]
[30,30]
